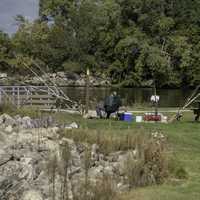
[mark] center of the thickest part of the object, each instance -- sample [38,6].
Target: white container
[138,119]
[164,119]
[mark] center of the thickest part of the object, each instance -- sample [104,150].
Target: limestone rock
[30,156]
[54,129]
[9,129]
[95,152]
[80,82]
[27,122]
[32,195]
[7,120]
[74,125]
[3,75]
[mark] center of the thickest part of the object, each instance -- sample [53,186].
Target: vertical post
[0,95]
[48,97]
[156,102]
[18,101]
[13,95]
[27,92]
[87,96]
[31,94]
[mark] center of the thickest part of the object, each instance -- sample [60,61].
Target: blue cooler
[121,116]
[128,117]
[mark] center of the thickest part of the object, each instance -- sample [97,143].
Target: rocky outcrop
[36,163]
[39,163]
[32,195]
[60,78]
[25,122]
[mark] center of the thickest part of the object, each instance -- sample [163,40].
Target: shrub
[148,164]
[7,107]
[32,112]
[102,189]
[107,141]
[12,110]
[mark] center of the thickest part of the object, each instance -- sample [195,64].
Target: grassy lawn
[183,138]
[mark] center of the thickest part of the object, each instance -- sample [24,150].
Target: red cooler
[152,117]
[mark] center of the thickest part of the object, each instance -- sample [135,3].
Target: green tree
[131,41]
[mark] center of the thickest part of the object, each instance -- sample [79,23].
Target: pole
[18,100]
[156,102]
[0,95]
[87,96]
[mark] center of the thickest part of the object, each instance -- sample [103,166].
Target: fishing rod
[189,100]
[57,92]
[56,87]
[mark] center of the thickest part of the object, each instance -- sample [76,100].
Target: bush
[149,163]
[7,107]
[12,110]
[32,112]
[107,141]
[101,189]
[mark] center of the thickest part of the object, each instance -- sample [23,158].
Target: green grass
[184,141]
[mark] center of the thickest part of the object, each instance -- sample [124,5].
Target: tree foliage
[131,41]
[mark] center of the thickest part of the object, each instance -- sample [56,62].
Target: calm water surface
[132,96]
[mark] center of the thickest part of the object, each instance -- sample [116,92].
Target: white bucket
[164,119]
[138,119]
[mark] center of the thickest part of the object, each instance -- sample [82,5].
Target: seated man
[112,104]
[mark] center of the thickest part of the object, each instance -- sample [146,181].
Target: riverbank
[70,79]
[61,79]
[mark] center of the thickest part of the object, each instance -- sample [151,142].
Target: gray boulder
[6,120]
[27,122]
[32,195]
[95,152]
[9,129]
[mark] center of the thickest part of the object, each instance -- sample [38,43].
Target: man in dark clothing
[197,112]
[112,104]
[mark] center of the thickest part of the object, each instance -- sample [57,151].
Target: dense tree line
[131,41]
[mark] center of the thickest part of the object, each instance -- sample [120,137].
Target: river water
[131,96]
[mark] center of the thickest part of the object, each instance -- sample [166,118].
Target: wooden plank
[40,101]
[1,96]
[18,98]
[38,96]
[48,107]
[28,95]
[25,91]
[25,86]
